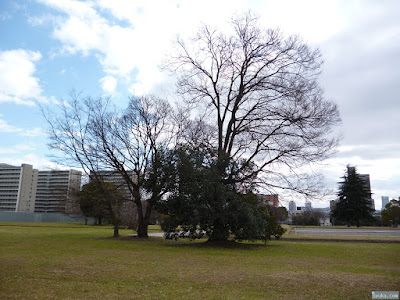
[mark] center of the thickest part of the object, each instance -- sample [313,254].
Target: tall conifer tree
[354,204]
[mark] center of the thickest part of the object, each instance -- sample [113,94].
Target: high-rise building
[116,178]
[24,189]
[17,188]
[307,205]
[385,200]
[55,188]
[292,206]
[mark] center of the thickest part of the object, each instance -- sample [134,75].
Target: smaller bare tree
[94,135]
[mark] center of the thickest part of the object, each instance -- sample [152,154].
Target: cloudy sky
[114,47]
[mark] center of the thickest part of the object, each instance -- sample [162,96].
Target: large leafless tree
[94,135]
[261,93]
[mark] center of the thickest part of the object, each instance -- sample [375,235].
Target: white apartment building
[55,188]
[18,188]
[24,189]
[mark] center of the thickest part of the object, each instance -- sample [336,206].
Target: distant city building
[323,213]
[385,200]
[55,188]
[17,188]
[128,210]
[300,209]
[271,200]
[116,178]
[24,189]
[292,207]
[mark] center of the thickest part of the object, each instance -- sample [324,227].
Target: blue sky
[50,47]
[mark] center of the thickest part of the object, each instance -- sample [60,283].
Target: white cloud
[141,43]
[6,128]
[108,84]
[4,16]
[38,131]
[315,20]
[16,149]
[18,83]
[37,162]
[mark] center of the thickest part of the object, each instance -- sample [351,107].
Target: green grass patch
[155,228]
[86,263]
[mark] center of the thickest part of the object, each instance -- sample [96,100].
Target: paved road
[347,231]
[155,234]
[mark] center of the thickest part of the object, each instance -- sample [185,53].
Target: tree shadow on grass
[204,244]
[200,244]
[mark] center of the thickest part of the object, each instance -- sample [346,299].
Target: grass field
[50,261]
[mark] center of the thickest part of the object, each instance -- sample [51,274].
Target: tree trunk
[142,225]
[219,232]
[142,230]
[116,230]
[115,220]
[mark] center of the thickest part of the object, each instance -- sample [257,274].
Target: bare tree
[261,93]
[93,134]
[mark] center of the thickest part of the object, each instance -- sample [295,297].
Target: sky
[49,48]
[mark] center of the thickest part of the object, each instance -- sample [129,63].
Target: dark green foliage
[354,204]
[391,213]
[307,218]
[281,213]
[273,227]
[203,200]
[102,200]
[90,202]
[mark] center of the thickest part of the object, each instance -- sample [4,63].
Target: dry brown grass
[84,263]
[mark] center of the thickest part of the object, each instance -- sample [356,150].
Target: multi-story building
[24,189]
[55,188]
[385,200]
[292,207]
[129,210]
[18,188]
[116,178]
[295,210]
[271,200]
